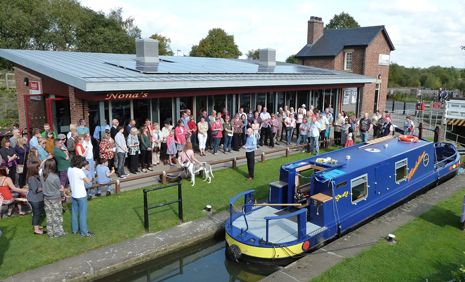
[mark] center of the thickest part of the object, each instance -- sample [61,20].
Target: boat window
[359,188]
[342,184]
[401,170]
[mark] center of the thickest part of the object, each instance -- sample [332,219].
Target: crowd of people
[50,165]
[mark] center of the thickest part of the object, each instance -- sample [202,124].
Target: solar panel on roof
[197,65]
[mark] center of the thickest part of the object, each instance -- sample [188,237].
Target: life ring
[408,138]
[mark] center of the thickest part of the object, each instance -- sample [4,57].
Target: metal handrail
[301,222]
[247,199]
[446,159]
[146,208]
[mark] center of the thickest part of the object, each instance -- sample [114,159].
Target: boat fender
[233,252]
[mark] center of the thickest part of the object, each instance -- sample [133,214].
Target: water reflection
[203,262]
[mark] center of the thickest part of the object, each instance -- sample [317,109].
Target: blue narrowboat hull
[338,198]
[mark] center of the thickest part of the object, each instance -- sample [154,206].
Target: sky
[424,33]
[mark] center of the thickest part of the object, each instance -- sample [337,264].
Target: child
[103,175]
[88,173]
[349,141]
[171,145]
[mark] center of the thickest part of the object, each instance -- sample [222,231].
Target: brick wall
[324,63]
[37,109]
[76,107]
[372,68]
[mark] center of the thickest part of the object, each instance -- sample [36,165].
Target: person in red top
[8,198]
[192,130]
[80,150]
[217,127]
[106,150]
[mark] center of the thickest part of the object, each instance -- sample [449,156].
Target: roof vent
[147,50]
[268,57]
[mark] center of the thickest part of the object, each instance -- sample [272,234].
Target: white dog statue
[193,168]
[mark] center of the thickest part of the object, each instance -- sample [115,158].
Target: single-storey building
[62,87]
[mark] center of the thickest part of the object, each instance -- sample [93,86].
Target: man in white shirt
[76,179]
[266,133]
[314,133]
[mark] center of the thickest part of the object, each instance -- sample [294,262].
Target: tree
[253,54]
[217,44]
[63,25]
[164,42]
[292,59]
[343,20]
[126,24]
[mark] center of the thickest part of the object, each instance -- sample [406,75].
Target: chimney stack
[315,29]
[147,50]
[267,57]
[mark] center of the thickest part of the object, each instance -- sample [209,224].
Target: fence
[146,208]
[7,80]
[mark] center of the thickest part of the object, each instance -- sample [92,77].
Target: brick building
[62,87]
[364,50]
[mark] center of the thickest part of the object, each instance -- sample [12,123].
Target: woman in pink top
[217,127]
[181,132]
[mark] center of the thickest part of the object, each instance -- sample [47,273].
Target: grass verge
[428,249]
[119,218]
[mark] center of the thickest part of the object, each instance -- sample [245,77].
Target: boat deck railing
[447,160]
[301,222]
[248,195]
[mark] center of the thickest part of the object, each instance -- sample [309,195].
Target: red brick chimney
[315,29]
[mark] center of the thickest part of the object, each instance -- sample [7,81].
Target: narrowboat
[319,198]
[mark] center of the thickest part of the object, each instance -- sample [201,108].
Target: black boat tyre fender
[233,252]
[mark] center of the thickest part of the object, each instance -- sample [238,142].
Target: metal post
[420,130]
[146,212]
[393,105]
[405,106]
[180,202]
[430,113]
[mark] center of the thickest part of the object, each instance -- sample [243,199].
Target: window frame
[404,164]
[365,176]
[346,54]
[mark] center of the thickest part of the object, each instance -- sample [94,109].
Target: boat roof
[367,155]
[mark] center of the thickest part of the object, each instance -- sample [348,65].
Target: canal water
[205,261]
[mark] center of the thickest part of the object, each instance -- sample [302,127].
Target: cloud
[423,32]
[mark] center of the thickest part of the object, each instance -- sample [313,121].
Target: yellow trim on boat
[266,253]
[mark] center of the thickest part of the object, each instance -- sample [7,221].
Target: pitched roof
[120,72]
[333,41]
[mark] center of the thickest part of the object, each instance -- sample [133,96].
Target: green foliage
[63,25]
[217,44]
[433,77]
[164,42]
[253,54]
[459,274]
[428,248]
[343,20]
[292,59]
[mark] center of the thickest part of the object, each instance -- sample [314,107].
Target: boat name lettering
[345,194]
[412,172]
[119,96]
